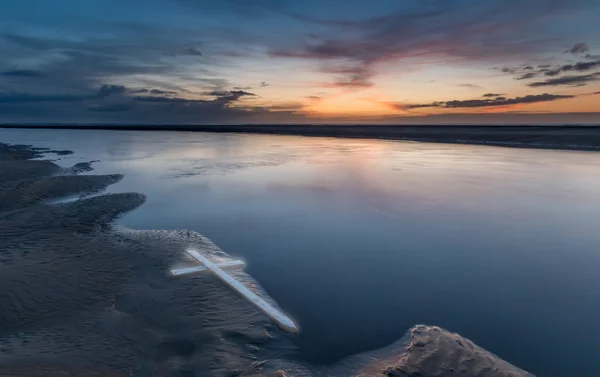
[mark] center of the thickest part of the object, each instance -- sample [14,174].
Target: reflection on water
[361,239]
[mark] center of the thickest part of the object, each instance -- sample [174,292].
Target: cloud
[192,51]
[155,92]
[143,105]
[105,91]
[22,73]
[470,86]
[12,97]
[497,102]
[567,80]
[526,76]
[579,67]
[466,30]
[527,72]
[230,95]
[112,107]
[553,72]
[159,92]
[109,90]
[350,76]
[291,106]
[579,48]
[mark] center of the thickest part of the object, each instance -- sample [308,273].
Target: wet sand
[570,137]
[82,297]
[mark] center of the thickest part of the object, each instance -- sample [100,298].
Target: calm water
[361,239]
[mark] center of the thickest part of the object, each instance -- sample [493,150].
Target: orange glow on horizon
[352,104]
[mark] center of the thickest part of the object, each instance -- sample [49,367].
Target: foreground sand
[80,297]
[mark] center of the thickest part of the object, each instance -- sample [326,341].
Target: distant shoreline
[568,137]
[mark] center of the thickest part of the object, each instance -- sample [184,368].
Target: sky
[309,61]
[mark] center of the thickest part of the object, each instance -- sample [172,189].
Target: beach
[569,137]
[81,297]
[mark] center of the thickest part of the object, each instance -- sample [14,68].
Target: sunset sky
[308,61]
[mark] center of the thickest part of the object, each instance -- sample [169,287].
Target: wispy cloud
[567,80]
[497,102]
[579,48]
[22,73]
[477,32]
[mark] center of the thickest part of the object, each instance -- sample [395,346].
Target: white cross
[220,271]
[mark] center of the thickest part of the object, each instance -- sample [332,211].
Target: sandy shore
[544,137]
[80,297]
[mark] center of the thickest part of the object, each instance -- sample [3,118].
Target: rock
[434,352]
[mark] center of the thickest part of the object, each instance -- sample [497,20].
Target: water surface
[361,239]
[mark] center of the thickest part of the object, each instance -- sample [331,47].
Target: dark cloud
[112,101]
[567,80]
[553,72]
[581,66]
[105,91]
[350,76]
[159,92]
[526,76]
[85,63]
[579,48]
[264,84]
[222,99]
[492,95]
[578,67]
[192,51]
[355,81]
[72,69]
[230,94]
[497,102]
[166,99]
[155,92]
[22,73]
[527,72]
[109,90]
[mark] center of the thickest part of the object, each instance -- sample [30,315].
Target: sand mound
[434,352]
